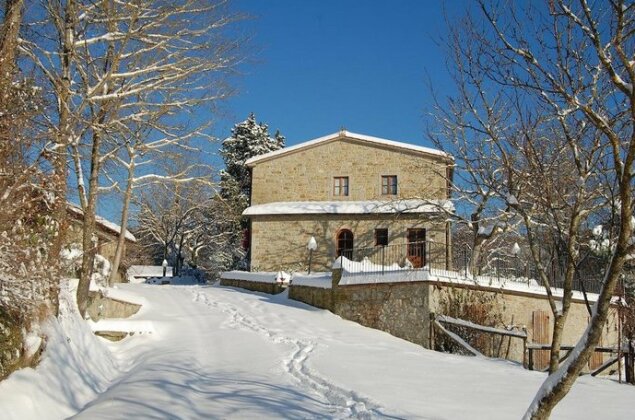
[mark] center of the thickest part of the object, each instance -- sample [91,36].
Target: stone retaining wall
[400,309]
[314,296]
[255,286]
[403,310]
[101,306]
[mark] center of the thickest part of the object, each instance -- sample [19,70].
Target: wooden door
[541,335]
[417,247]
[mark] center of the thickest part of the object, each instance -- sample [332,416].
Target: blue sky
[317,66]
[314,66]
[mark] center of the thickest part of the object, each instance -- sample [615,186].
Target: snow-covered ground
[213,352]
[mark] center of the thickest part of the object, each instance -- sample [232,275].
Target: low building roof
[354,136]
[105,224]
[350,207]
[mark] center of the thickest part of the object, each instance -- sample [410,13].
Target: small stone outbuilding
[106,231]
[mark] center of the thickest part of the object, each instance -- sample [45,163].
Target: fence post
[630,363]
[530,363]
[525,361]
[431,334]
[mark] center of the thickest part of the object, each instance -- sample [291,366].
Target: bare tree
[561,72]
[463,129]
[135,68]
[168,218]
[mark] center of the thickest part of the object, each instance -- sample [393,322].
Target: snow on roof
[350,207]
[113,227]
[348,134]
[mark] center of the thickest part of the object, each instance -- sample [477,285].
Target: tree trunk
[558,384]
[89,248]
[9,36]
[556,342]
[477,249]
[121,241]
[59,155]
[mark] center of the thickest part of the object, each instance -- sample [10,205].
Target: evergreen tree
[248,139]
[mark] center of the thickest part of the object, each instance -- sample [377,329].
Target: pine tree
[248,139]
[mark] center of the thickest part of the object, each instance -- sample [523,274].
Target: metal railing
[396,257]
[504,266]
[498,267]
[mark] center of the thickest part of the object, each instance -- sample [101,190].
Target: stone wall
[279,242]
[12,351]
[400,309]
[314,296]
[307,174]
[101,306]
[403,310]
[256,286]
[518,308]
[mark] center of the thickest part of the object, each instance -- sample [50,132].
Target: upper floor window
[340,186]
[389,184]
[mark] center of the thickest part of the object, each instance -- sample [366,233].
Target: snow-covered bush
[71,260]
[101,271]
[71,263]
[28,285]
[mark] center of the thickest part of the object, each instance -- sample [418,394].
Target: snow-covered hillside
[213,352]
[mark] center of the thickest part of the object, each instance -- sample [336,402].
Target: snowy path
[342,403]
[224,353]
[213,356]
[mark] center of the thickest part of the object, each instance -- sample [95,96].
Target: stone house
[106,231]
[349,191]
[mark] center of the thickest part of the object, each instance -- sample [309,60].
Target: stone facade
[106,241]
[305,173]
[279,242]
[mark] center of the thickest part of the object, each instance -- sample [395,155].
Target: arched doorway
[345,243]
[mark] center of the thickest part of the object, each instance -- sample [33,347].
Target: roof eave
[389,144]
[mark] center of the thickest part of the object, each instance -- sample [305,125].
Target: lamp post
[515,252]
[164,264]
[312,246]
